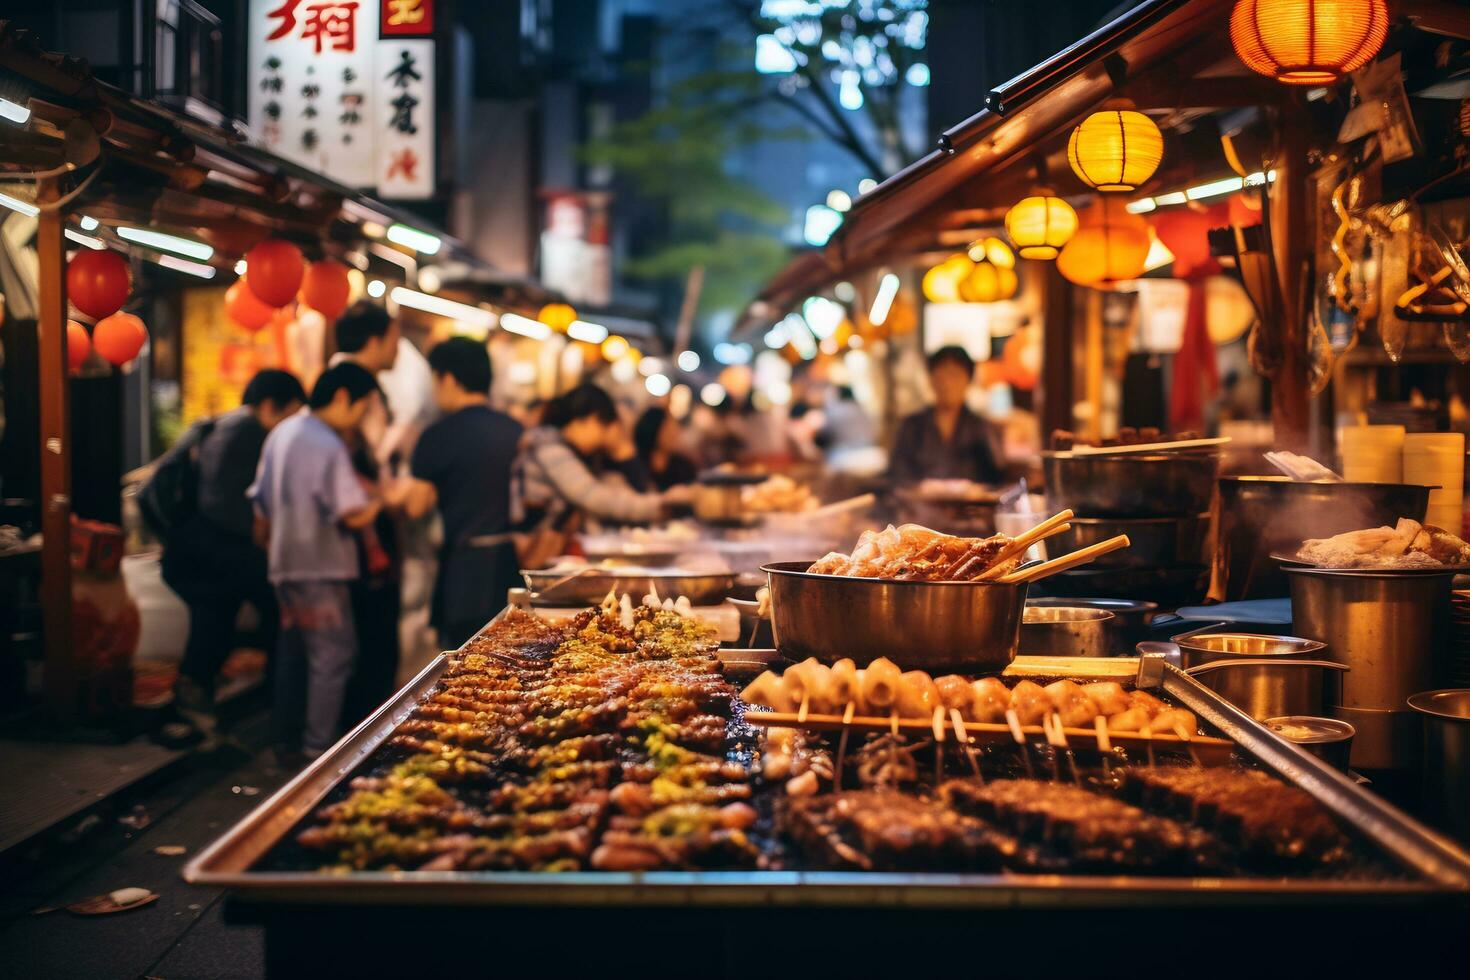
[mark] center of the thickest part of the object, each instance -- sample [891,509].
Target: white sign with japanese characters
[328,94]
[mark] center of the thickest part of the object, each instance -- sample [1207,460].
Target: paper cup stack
[1372,453]
[1438,459]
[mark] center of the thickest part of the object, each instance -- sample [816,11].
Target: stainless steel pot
[1131,617]
[1131,484]
[1189,650]
[1268,688]
[1446,721]
[1328,739]
[1066,631]
[1391,630]
[1154,542]
[933,626]
[1262,514]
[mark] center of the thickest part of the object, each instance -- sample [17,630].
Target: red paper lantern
[119,337]
[325,288]
[245,308]
[78,345]
[273,271]
[1307,42]
[1186,232]
[98,282]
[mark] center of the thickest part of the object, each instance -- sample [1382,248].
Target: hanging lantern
[78,345]
[119,338]
[325,287]
[1115,150]
[273,271]
[994,251]
[98,282]
[1040,226]
[557,316]
[1307,42]
[245,308]
[1110,246]
[941,284]
[988,283]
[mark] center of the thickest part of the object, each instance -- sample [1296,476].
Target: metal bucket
[1131,484]
[1269,688]
[1390,629]
[1066,631]
[1262,514]
[933,626]
[1446,721]
[1211,643]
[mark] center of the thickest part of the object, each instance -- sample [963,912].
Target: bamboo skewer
[992,732]
[1079,557]
[1055,524]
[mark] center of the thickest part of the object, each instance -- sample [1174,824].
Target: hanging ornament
[274,270]
[557,316]
[1110,246]
[245,308]
[941,284]
[1039,226]
[78,345]
[98,282]
[1115,150]
[325,287]
[994,251]
[988,283]
[119,338]
[1307,42]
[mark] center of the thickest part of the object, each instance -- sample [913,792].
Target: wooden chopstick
[1055,524]
[1079,557]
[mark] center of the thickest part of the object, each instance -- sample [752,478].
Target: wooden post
[1056,354]
[60,669]
[1291,243]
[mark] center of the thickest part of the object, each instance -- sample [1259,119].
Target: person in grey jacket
[581,459]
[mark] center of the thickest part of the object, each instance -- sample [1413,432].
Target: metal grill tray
[1430,865]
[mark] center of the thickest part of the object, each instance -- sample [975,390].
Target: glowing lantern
[325,287]
[941,284]
[78,345]
[988,283]
[245,308]
[1115,150]
[1307,42]
[994,251]
[273,271]
[557,316]
[119,337]
[1110,246]
[1040,226]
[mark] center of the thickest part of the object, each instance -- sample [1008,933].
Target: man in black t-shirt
[462,466]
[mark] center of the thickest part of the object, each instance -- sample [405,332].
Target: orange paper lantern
[1115,150]
[325,287]
[1110,246]
[245,308]
[1039,226]
[119,338]
[273,271]
[988,283]
[98,282]
[1307,42]
[78,345]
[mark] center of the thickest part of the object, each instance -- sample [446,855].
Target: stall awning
[1162,54]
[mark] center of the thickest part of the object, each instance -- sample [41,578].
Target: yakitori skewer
[1081,556]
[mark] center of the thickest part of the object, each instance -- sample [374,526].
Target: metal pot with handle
[1269,688]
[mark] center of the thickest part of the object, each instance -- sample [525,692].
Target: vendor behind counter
[946,441]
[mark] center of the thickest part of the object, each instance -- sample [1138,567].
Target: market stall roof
[142,163]
[1164,55]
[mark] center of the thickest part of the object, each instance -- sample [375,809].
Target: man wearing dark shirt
[947,441]
[211,560]
[461,465]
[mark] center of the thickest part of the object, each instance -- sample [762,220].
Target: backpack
[171,494]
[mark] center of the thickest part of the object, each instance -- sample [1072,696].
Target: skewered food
[915,553]
[1265,818]
[1090,831]
[1408,544]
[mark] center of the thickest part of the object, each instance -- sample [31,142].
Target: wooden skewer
[936,723]
[964,739]
[801,712]
[848,712]
[1079,557]
[1055,524]
[1104,745]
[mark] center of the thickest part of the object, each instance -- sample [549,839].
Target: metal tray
[559,588]
[1433,863]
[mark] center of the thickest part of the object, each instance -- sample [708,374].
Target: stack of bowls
[1437,459]
[1372,453]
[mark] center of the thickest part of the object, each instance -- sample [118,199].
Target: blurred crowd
[307,505]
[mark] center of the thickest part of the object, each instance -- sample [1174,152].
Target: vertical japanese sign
[405,139]
[329,89]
